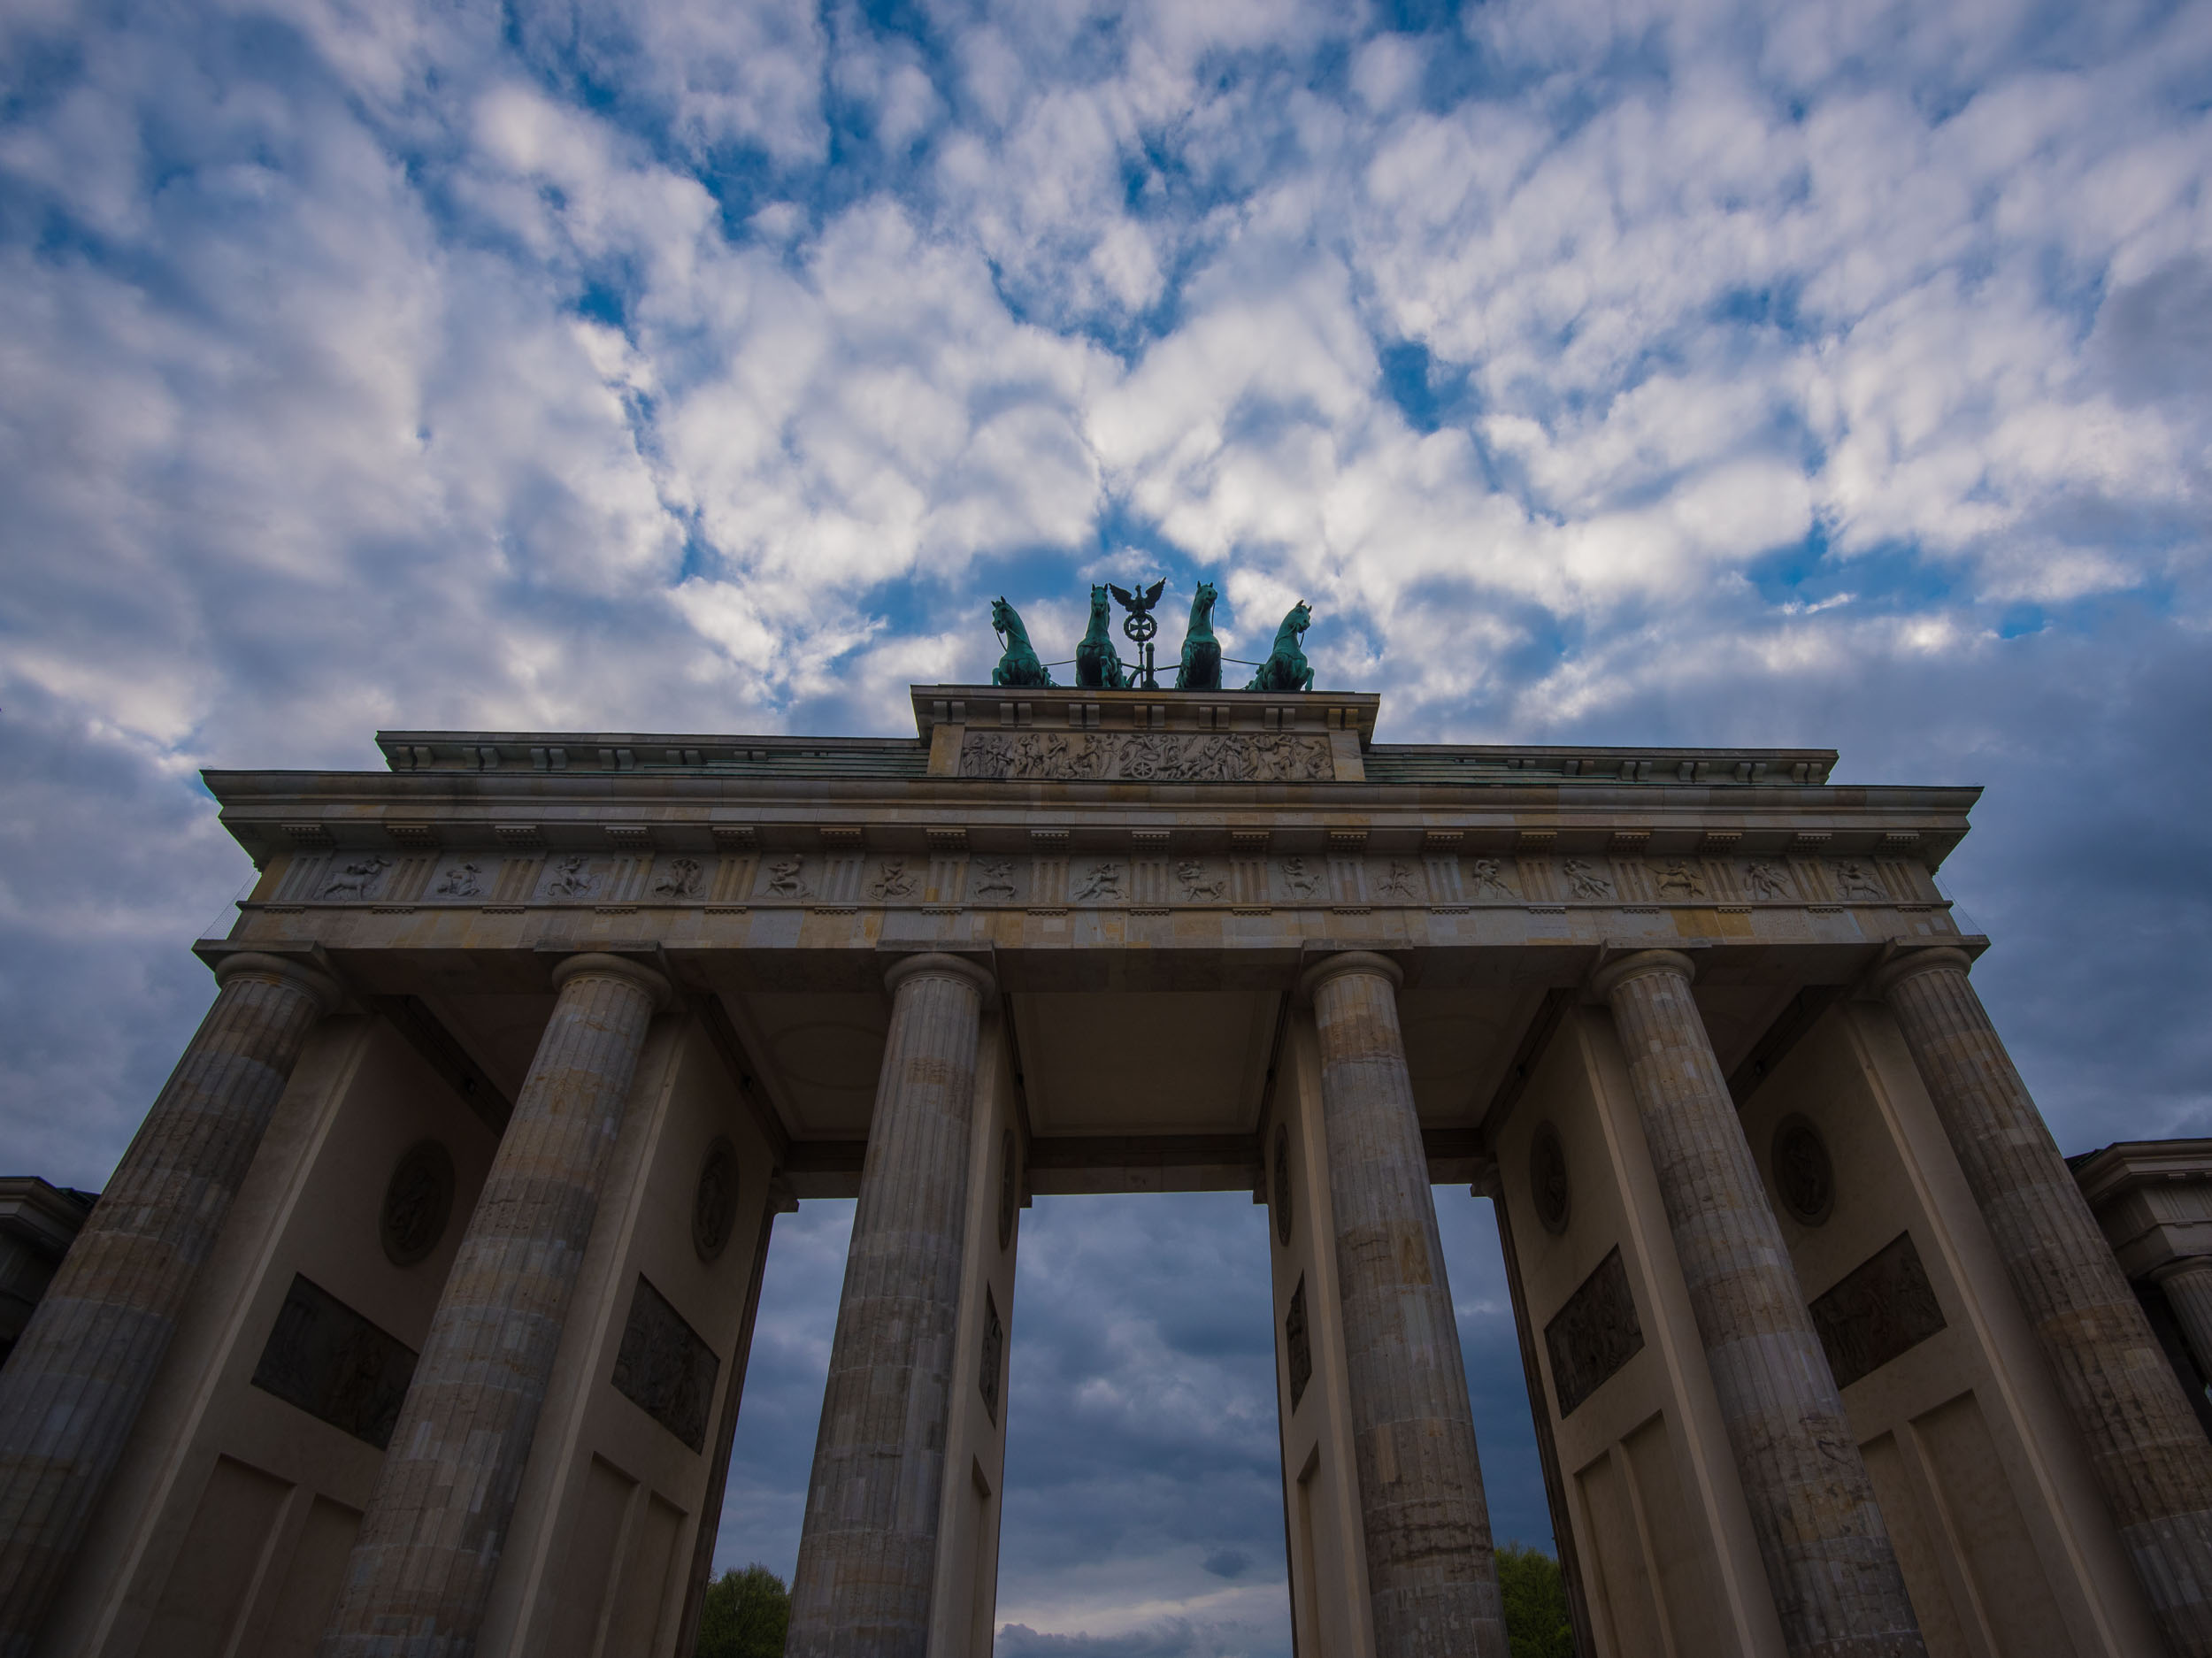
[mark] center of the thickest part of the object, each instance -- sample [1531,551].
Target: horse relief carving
[1160,756]
[785,878]
[994,878]
[1197,885]
[1680,880]
[358,880]
[893,880]
[571,877]
[679,879]
[1854,881]
[1302,881]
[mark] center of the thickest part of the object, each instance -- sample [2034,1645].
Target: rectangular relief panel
[1297,1344]
[1596,1332]
[334,1365]
[666,1368]
[1881,1309]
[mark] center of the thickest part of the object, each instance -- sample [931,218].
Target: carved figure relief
[714,1204]
[1802,1172]
[1853,880]
[1881,1308]
[1583,877]
[893,880]
[1680,880]
[1101,883]
[358,880]
[571,877]
[1301,881]
[664,1367]
[993,1355]
[1488,881]
[1397,882]
[995,877]
[1166,757]
[336,1365]
[785,878]
[463,880]
[1596,1332]
[1298,1344]
[418,1202]
[679,879]
[1766,880]
[1196,883]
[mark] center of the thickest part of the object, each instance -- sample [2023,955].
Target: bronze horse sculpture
[1200,669]
[1286,668]
[1097,664]
[1019,666]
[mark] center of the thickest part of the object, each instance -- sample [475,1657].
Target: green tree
[746,1614]
[1535,1591]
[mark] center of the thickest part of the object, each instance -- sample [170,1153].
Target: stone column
[76,1382]
[2187,1285]
[1828,1562]
[2150,1456]
[1432,1578]
[429,1546]
[868,1550]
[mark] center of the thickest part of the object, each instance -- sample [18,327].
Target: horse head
[1098,612]
[1201,603]
[1300,617]
[1003,619]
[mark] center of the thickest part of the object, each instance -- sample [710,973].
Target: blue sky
[1709,372]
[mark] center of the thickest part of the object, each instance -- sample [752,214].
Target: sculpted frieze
[1057,877]
[1158,757]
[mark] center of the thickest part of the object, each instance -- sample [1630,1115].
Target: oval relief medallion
[418,1202]
[1548,1177]
[714,1206]
[1802,1174]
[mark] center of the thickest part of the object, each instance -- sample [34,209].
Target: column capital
[1911,961]
[941,964]
[2177,1266]
[327,992]
[1348,961]
[1618,971]
[596,964]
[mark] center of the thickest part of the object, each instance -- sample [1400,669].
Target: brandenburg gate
[415,1319]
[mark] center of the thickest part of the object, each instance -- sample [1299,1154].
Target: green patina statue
[1201,667]
[1019,666]
[1286,668]
[1097,664]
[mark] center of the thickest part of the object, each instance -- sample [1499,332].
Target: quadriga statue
[1019,666]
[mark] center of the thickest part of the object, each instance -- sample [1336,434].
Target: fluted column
[429,1546]
[1431,1577]
[2187,1286]
[1829,1560]
[868,1550]
[2150,1456]
[77,1380]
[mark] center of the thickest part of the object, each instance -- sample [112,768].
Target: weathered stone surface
[1829,1560]
[335,1363]
[77,1380]
[1881,1308]
[2150,1456]
[2188,1288]
[1594,1334]
[868,1550]
[1431,1579]
[422,1567]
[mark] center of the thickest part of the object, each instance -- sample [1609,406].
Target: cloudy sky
[1705,372]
